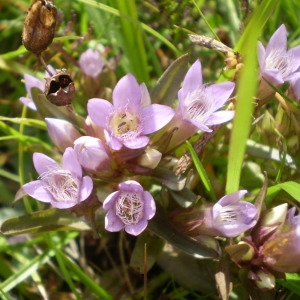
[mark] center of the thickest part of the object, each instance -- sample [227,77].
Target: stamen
[229,214]
[201,106]
[61,184]
[280,60]
[129,207]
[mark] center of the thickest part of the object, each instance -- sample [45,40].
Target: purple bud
[62,133]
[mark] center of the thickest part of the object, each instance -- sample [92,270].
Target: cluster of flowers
[118,143]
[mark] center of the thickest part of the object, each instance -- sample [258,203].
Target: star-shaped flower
[131,117]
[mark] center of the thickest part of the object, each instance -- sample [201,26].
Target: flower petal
[232,198]
[110,200]
[127,93]
[261,55]
[192,80]
[149,206]
[136,229]
[220,92]
[220,117]
[36,190]
[278,40]
[28,102]
[43,163]
[86,188]
[99,110]
[131,186]
[113,222]
[71,163]
[137,142]
[155,116]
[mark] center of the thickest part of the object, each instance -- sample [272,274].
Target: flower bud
[93,156]
[39,26]
[149,159]
[241,253]
[266,280]
[60,89]
[62,133]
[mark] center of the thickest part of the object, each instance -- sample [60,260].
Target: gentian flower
[91,63]
[94,156]
[62,133]
[199,103]
[231,217]
[277,63]
[127,121]
[33,82]
[63,187]
[130,208]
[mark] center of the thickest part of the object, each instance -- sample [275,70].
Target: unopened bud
[60,89]
[39,26]
[266,280]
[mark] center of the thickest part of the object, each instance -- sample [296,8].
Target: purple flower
[277,64]
[62,133]
[91,63]
[63,187]
[128,120]
[130,208]
[33,82]
[198,103]
[232,217]
[93,156]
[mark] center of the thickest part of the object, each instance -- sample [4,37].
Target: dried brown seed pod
[39,26]
[60,89]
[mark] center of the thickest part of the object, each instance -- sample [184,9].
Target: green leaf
[290,187]
[42,221]
[292,282]
[165,91]
[246,90]
[202,173]
[145,252]
[164,229]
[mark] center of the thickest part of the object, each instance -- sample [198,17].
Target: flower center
[129,207]
[200,106]
[280,60]
[229,214]
[61,184]
[125,125]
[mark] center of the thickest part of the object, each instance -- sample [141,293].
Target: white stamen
[129,207]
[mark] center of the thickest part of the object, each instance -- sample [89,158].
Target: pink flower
[231,217]
[63,187]
[129,119]
[198,103]
[130,208]
[277,64]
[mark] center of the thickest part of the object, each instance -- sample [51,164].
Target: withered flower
[60,89]
[39,26]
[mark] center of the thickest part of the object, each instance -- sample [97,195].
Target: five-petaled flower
[63,187]
[199,103]
[130,208]
[131,117]
[277,64]
[231,217]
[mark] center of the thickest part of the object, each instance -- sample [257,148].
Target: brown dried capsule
[60,89]
[39,26]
